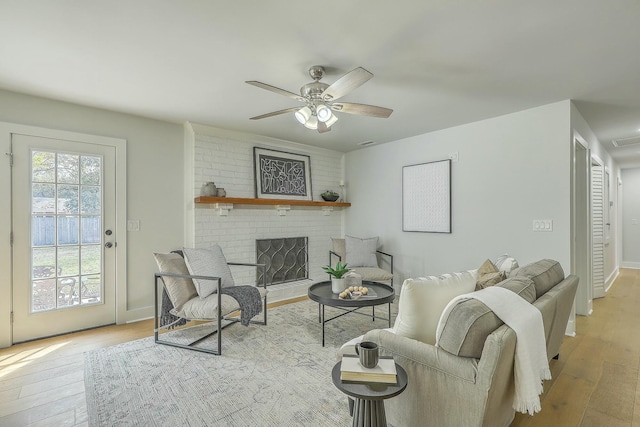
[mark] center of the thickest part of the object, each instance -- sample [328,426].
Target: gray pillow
[208,262]
[361,252]
[179,289]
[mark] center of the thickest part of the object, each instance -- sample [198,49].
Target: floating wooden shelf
[250,201]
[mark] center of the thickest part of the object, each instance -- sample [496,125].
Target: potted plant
[330,196]
[336,273]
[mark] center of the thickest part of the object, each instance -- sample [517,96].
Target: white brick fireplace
[226,158]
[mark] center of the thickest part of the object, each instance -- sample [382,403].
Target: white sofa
[468,380]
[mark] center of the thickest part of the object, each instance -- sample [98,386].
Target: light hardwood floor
[595,383]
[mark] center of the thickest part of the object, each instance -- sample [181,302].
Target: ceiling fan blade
[346,84]
[275,113]
[276,90]
[362,109]
[322,127]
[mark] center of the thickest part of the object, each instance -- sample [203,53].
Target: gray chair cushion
[361,252]
[207,308]
[470,322]
[545,273]
[179,289]
[208,262]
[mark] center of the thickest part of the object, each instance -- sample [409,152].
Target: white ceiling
[437,64]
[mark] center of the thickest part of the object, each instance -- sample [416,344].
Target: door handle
[108,245]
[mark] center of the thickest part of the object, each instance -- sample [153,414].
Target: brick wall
[228,161]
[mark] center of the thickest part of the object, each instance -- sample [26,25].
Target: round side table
[369,398]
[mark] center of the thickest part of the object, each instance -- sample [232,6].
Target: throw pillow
[488,275]
[179,289]
[422,301]
[490,279]
[208,262]
[506,263]
[361,252]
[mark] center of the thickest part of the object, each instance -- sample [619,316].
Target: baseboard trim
[630,264]
[612,277]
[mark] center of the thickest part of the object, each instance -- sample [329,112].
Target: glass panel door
[63,197]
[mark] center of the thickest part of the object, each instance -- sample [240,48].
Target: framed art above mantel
[282,175]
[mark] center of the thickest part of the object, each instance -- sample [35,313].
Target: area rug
[273,375]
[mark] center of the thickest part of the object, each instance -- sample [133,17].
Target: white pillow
[422,301]
[208,262]
[506,263]
[361,252]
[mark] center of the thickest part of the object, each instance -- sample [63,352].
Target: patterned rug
[273,375]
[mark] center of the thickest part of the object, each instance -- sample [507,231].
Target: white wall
[631,218]
[511,170]
[154,190]
[226,158]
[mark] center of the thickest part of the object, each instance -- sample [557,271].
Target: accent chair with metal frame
[363,258]
[180,301]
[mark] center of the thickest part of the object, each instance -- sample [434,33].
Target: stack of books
[352,371]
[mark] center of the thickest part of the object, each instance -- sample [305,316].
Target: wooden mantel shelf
[272,202]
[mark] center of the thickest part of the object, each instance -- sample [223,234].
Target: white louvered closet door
[597,229]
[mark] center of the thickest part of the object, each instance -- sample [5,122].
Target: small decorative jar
[353,279]
[209,190]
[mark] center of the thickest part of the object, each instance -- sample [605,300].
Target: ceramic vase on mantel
[338,285]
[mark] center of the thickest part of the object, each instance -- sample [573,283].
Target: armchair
[212,297]
[363,258]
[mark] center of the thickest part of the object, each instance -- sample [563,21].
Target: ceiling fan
[320,99]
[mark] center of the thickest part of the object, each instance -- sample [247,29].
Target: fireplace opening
[286,259]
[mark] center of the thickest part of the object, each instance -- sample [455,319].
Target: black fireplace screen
[286,259]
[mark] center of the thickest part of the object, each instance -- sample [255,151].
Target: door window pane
[43,166]
[91,259]
[91,170]
[90,202]
[68,168]
[68,199]
[44,262]
[68,230]
[68,260]
[91,230]
[43,230]
[43,198]
[44,295]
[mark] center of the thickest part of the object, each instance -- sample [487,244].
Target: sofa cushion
[545,273]
[422,300]
[361,252]
[208,262]
[179,289]
[470,321]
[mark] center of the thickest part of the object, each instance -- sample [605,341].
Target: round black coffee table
[369,397]
[322,294]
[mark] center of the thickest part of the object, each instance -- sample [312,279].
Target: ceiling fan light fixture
[323,112]
[331,120]
[312,123]
[303,115]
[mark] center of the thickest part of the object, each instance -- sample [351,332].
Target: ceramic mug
[368,353]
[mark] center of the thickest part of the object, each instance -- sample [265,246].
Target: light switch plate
[133,225]
[543,225]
